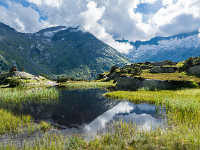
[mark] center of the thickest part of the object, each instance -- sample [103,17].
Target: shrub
[45,76]
[190,61]
[197,61]
[44,126]
[123,71]
[13,82]
[113,69]
[137,71]
[147,63]
[14,68]
[129,70]
[169,62]
[63,79]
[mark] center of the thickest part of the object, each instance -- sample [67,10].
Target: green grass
[183,113]
[19,124]
[184,100]
[121,136]
[182,132]
[11,123]
[13,98]
[86,85]
[26,82]
[169,76]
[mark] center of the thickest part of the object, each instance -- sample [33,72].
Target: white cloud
[21,18]
[177,17]
[148,1]
[52,3]
[167,2]
[89,20]
[108,20]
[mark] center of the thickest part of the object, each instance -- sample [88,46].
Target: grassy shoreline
[13,100]
[183,100]
[183,113]
[182,132]
[86,85]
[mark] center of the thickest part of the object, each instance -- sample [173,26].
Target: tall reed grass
[122,136]
[11,98]
[182,131]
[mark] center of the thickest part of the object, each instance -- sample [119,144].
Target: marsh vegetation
[87,84]
[182,114]
[13,100]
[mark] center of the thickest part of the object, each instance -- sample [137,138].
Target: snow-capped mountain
[50,32]
[175,48]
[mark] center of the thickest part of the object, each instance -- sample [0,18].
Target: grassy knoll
[86,84]
[26,82]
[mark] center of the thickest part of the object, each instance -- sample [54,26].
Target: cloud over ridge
[107,20]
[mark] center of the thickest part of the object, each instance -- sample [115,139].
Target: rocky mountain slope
[175,48]
[68,51]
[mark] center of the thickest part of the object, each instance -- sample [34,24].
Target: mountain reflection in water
[89,111]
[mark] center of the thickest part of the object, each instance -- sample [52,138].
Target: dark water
[88,111]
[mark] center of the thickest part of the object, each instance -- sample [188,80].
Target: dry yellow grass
[169,76]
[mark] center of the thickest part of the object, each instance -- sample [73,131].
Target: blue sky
[108,20]
[23,2]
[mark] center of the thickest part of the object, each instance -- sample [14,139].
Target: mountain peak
[69,51]
[49,32]
[6,27]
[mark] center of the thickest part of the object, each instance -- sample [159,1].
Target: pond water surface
[87,111]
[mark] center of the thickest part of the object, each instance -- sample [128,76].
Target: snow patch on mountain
[50,34]
[76,29]
[169,45]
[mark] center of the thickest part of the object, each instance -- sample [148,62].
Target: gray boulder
[19,74]
[130,83]
[195,70]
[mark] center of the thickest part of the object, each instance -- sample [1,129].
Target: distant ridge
[57,51]
[176,48]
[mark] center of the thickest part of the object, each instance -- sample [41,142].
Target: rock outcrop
[135,83]
[195,70]
[114,75]
[19,74]
[101,76]
[163,70]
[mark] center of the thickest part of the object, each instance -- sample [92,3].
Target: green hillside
[57,51]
